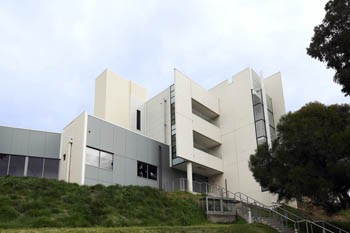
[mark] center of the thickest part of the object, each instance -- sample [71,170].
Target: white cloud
[51,51]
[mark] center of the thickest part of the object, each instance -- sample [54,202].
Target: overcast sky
[52,51]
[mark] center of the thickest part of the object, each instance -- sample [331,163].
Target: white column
[189,177]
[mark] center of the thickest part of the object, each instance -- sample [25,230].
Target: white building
[183,133]
[211,133]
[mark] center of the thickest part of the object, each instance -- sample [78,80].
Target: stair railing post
[323,230]
[207,203]
[295,228]
[249,216]
[221,205]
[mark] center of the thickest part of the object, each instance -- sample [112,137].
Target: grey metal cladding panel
[36,145]
[106,136]
[143,149]
[93,132]
[91,182]
[91,172]
[131,145]
[118,169]
[52,145]
[153,157]
[105,176]
[119,142]
[20,141]
[130,172]
[5,139]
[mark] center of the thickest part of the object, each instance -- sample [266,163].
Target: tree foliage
[331,41]
[309,158]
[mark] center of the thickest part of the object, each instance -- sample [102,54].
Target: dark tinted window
[51,168]
[16,165]
[35,167]
[138,119]
[152,172]
[3,164]
[142,169]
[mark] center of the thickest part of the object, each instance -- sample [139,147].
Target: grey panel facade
[25,152]
[127,148]
[27,142]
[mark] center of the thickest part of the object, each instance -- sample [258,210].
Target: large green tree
[309,158]
[331,41]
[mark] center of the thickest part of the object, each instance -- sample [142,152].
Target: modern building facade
[26,152]
[184,132]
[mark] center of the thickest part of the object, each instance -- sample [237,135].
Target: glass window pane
[141,169]
[138,119]
[272,133]
[269,103]
[258,112]
[51,168]
[4,159]
[35,167]
[152,172]
[16,165]
[260,129]
[92,157]
[271,120]
[106,160]
[261,140]
[256,99]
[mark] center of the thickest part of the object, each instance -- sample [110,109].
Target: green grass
[34,202]
[212,228]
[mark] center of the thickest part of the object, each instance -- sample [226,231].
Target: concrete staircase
[222,205]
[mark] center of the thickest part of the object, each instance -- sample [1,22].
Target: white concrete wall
[156,117]
[117,99]
[273,87]
[238,133]
[72,168]
[186,121]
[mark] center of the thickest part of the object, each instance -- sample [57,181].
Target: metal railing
[325,224]
[218,198]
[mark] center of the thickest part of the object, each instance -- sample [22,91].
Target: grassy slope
[34,202]
[234,228]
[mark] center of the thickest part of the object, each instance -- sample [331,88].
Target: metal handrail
[323,222]
[273,209]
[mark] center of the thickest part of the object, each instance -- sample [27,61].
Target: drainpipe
[70,144]
[160,167]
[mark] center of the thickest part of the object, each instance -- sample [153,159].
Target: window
[138,119]
[152,172]
[4,160]
[92,157]
[16,167]
[51,168]
[258,112]
[146,170]
[259,117]
[261,140]
[35,167]
[100,159]
[260,128]
[142,169]
[106,160]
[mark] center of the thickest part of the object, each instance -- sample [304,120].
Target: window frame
[99,159]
